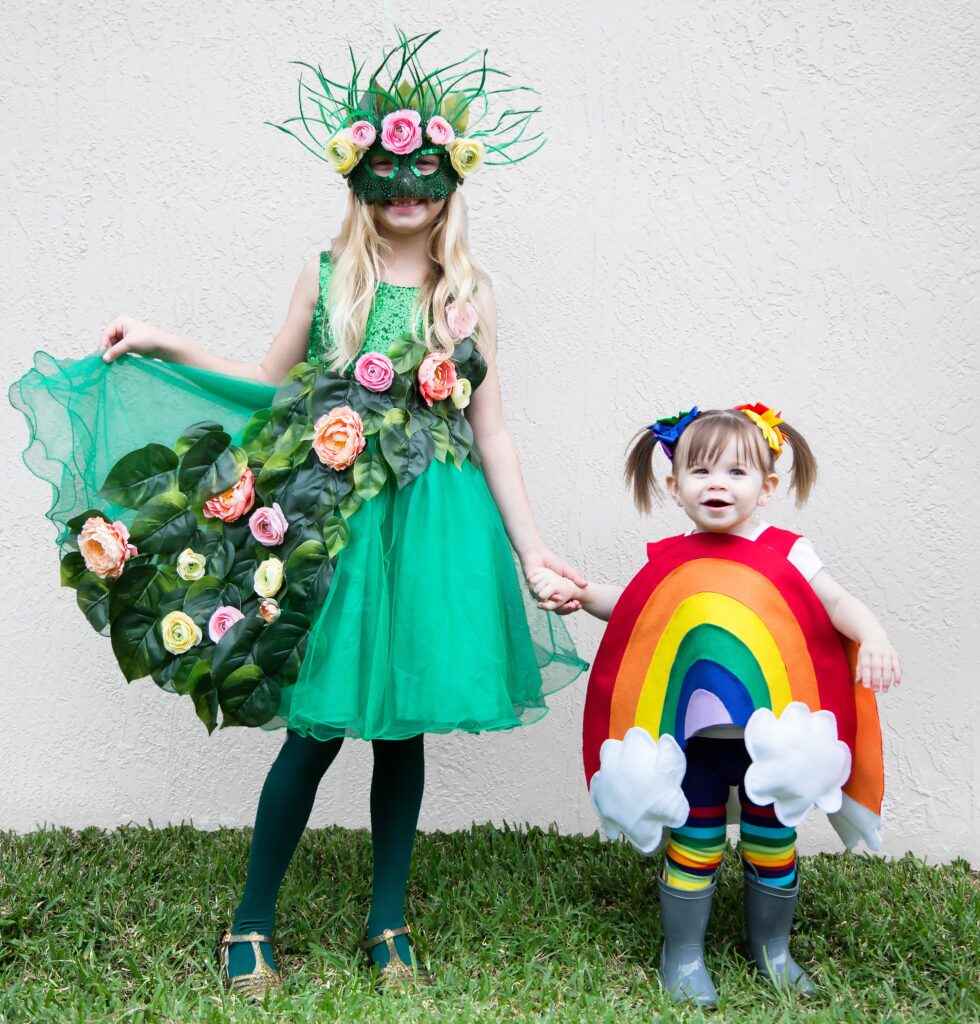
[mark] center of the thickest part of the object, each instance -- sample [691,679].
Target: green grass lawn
[517,925]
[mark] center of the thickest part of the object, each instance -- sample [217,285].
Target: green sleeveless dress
[395,607]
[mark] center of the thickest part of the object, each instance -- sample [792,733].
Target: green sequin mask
[341,122]
[409,176]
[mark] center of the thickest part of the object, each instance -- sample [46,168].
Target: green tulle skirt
[425,626]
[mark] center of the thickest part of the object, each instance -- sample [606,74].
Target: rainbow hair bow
[668,429]
[768,422]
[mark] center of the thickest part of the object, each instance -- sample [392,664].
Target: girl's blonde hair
[454,276]
[704,440]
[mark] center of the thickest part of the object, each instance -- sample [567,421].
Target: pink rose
[374,371]
[437,377]
[268,525]
[222,620]
[462,321]
[233,503]
[338,437]
[105,547]
[363,134]
[401,132]
[440,131]
[269,609]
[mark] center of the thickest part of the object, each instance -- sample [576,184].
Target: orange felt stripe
[867,782]
[720,576]
[693,862]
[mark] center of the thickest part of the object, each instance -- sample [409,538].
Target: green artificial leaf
[220,554]
[420,418]
[211,465]
[440,439]
[336,534]
[257,430]
[369,475]
[204,693]
[72,569]
[92,594]
[350,504]
[141,475]
[234,649]
[164,525]
[242,571]
[143,587]
[206,595]
[194,433]
[329,392]
[163,674]
[247,697]
[406,352]
[190,670]
[375,402]
[407,456]
[462,351]
[371,421]
[309,573]
[461,436]
[280,648]
[137,642]
[274,474]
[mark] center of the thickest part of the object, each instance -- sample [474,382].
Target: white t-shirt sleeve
[805,558]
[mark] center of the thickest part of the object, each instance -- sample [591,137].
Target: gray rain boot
[769,913]
[684,915]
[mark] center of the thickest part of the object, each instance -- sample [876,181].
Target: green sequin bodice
[391,315]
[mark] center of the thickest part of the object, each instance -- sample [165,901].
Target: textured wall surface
[738,202]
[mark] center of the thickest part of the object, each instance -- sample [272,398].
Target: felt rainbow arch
[715,629]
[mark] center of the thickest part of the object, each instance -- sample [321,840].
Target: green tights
[284,809]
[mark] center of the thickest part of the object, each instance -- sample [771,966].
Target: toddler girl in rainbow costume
[729,660]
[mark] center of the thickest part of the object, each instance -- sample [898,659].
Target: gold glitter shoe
[249,986]
[396,975]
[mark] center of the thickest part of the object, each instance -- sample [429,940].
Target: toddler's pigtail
[639,474]
[804,472]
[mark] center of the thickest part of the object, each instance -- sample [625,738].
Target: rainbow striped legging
[694,852]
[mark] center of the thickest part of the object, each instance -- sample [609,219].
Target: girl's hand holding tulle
[877,665]
[127,334]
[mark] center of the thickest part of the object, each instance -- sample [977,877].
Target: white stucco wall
[739,202]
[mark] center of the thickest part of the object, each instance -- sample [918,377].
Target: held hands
[126,334]
[877,665]
[543,560]
[551,590]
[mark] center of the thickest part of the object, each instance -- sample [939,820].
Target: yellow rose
[180,632]
[466,155]
[190,565]
[461,393]
[342,152]
[268,577]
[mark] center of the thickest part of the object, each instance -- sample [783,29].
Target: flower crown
[416,110]
[667,430]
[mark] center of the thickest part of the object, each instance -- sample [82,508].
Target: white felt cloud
[797,762]
[854,822]
[637,790]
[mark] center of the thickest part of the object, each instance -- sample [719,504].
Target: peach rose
[374,371]
[363,134]
[269,609]
[223,619]
[105,547]
[268,525]
[440,131]
[437,378]
[233,503]
[462,321]
[401,131]
[338,437]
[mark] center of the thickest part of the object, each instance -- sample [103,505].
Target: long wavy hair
[454,276]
